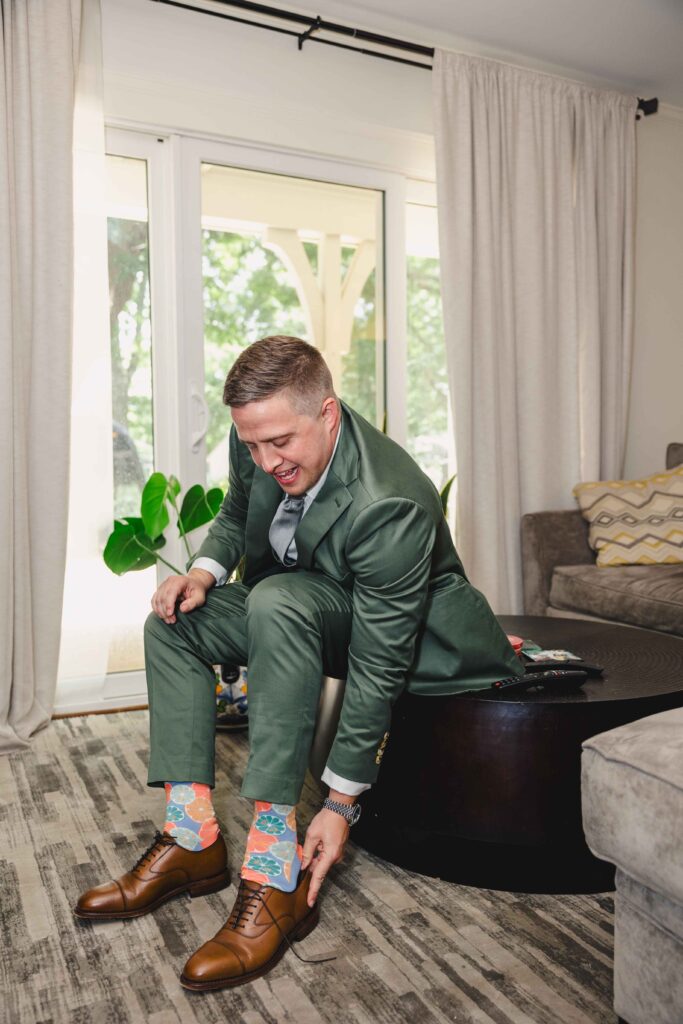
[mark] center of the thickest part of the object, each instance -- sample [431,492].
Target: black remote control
[564,666]
[556,679]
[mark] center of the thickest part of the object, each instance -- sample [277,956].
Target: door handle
[197,396]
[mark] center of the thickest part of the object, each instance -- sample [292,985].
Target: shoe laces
[247,901]
[159,837]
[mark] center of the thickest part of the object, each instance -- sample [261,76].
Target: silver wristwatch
[349,811]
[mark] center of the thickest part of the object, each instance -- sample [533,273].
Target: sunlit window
[286,255]
[430,432]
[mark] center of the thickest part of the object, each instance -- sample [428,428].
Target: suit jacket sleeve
[225,539]
[389,550]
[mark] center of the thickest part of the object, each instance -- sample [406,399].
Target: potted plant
[135,543]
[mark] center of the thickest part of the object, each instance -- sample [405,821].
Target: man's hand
[190,590]
[327,835]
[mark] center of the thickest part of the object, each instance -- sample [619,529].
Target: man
[349,571]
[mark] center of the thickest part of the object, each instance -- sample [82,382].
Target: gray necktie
[283,527]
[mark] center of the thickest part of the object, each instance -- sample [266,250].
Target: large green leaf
[158,490]
[129,548]
[445,492]
[199,507]
[214,499]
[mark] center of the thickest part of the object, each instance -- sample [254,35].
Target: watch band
[349,811]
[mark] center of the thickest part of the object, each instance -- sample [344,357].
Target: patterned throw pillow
[635,522]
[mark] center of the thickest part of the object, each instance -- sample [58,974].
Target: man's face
[293,447]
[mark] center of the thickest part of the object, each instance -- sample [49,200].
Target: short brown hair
[279,363]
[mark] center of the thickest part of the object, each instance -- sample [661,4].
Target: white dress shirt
[220,573]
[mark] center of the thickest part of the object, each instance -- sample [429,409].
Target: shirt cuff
[343,785]
[215,568]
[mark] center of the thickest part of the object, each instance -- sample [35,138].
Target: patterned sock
[190,817]
[273,855]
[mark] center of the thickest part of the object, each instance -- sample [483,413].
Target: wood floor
[75,811]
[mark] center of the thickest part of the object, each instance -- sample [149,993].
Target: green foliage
[445,494]
[427,376]
[359,371]
[135,541]
[427,372]
[129,548]
[247,295]
[131,356]
[199,507]
[157,492]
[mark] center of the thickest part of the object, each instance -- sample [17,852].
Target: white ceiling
[633,45]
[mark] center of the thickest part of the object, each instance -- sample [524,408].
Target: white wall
[191,72]
[201,74]
[656,411]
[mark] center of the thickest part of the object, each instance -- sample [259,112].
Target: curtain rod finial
[647,106]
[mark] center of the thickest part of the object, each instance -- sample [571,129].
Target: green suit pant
[290,629]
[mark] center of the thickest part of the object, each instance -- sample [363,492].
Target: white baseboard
[119,690]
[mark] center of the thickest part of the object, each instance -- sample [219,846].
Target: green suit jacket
[377,528]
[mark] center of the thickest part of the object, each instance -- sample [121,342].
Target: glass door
[119,430]
[210,246]
[132,426]
[288,244]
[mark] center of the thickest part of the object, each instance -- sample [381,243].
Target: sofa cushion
[650,596]
[632,798]
[635,522]
[662,910]
[648,948]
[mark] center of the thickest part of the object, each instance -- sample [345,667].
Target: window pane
[430,433]
[131,379]
[111,437]
[285,255]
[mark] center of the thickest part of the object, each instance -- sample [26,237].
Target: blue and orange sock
[273,855]
[190,817]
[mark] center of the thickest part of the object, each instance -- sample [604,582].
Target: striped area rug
[75,811]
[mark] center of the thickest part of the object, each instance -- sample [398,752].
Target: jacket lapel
[332,500]
[264,498]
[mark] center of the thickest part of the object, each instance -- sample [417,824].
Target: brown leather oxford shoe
[263,922]
[163,871]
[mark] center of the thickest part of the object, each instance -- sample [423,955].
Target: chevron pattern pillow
[635,522]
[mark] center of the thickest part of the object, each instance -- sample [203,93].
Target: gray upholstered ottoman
[632,793]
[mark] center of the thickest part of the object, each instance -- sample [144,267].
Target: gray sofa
[632,796]
[560,577]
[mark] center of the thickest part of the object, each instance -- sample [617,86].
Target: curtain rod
[317,24]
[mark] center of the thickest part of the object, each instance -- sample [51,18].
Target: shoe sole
[296,935]
[204,887]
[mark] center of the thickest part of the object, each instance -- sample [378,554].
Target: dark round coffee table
[485,789]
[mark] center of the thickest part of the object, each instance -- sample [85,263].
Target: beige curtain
[39,48]
[536,196]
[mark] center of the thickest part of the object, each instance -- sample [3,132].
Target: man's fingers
[173,589]
[159,608]
[322,866]
[310,846]
[195,600]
